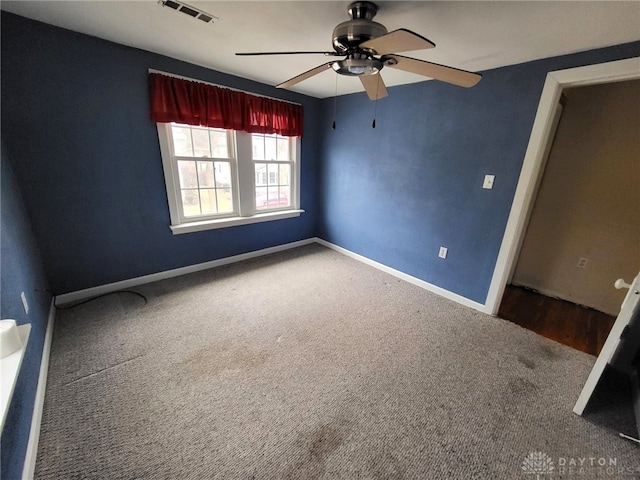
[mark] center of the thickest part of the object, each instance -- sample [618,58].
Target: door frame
[535,160]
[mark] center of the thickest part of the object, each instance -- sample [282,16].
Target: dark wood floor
[579,327]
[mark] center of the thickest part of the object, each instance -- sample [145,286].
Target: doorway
[535,158]
[583,230]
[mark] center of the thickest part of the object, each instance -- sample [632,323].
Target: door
[629,307]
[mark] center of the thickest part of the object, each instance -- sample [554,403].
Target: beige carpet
[307,364]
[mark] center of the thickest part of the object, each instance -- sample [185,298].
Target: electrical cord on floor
[103,295]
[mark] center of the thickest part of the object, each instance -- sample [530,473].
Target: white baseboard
[176,272]
[635,387]
[406,277]
[154,277]
[28,470]
[560,296]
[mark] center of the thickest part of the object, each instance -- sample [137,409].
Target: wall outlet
[488,181]
[24,303]
[582,262]
[443,252]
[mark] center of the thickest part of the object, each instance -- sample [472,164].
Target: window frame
[290,161]
[243,185]
[232,160]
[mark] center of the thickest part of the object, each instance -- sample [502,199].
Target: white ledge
[233,221]
[9,370]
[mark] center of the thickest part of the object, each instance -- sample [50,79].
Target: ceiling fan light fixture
[357,66]
[367,47]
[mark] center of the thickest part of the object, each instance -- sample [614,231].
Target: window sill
[233,221]
[9,369]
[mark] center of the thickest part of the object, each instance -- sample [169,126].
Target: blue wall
[81,156]
[21,272]
[75,113]
[398,192]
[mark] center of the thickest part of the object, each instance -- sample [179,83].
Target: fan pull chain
[375,104]
[335,103]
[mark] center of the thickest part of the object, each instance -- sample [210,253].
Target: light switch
[488,181]
[443,252]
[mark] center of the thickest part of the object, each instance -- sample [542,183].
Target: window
[204,163]
[272,165]
[217,178]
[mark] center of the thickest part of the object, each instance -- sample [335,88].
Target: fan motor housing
[348,35]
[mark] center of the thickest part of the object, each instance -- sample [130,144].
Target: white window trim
[234,221]
[246,212]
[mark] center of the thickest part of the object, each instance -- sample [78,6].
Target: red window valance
[194,103]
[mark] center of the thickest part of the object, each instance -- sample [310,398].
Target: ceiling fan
[367,47]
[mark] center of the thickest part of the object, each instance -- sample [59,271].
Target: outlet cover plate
[488,181]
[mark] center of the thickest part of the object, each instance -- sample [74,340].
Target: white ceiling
[473,35]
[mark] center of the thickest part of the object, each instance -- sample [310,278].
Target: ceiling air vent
[189,10]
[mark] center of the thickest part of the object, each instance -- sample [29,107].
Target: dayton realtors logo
[538,463]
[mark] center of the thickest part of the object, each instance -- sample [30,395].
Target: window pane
[182,141]
[205,174]
[223,174]
[272,197]
[258,146]
[187,174]
[270,149]
[285,195]
[225,201]
[208,199]
[273,173]
[261,198]
[283,148]
[219,147]
[285,174]
[190,203]
[261,173]
[200,142]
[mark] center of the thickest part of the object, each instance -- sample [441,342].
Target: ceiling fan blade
[374,86]
[247,54]
[303,76]
[401,40]
[443,73]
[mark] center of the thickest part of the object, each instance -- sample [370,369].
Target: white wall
[589,201]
